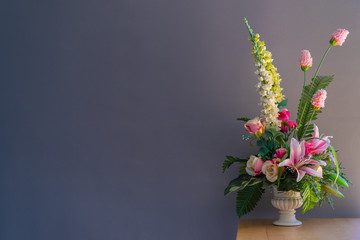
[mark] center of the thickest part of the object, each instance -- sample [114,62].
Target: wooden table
[311,229]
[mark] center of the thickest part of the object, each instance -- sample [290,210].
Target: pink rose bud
[255,127]
[305,60]
[254,165]
[292,124]
[284,115]
[318,100]
[338,37]
[280,153]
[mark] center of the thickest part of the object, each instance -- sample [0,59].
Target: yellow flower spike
[271,97]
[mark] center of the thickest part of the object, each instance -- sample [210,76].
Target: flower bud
[255,127]
[305,60]
[318,100]
[338,37]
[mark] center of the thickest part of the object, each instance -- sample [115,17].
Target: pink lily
[316,145]
[298,162]
[319,145]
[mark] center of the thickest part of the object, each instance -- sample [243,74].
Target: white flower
[271,170]
[268,98]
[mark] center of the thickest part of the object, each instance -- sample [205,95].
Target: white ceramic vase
[287,202]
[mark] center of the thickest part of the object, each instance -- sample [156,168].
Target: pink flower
[255,127]
[284,128]
[254,165]
[292,124]
[284,115]
[308,148]
[318,100]
[305,60]
[280,152]
[299,162]
[317,145]
[338,37]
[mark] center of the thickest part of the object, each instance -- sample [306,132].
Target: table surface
[311,229]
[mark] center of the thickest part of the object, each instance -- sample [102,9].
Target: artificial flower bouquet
[292,155]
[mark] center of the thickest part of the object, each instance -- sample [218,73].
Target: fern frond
[248,198]
[306,112]
[230,160]
[311,194]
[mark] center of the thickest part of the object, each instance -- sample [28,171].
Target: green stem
[311,87]
[301,96]
[326,52]
[252,36]
[303,91]
[317,70]
[312,115]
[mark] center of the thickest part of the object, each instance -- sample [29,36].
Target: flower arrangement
[292,155]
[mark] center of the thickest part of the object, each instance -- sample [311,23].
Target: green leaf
[273,132]
[248,198]
[311,193]
[230,160]
[243,119]
[263,151]
[240,183]
[329,200]
[283,103]
[306,112]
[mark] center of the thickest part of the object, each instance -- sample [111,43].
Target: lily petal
[287,163]
[316,131]
[301,174]
[310,171]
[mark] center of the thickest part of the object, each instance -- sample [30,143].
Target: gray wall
[116,115]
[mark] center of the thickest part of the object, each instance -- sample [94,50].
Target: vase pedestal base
[287,218]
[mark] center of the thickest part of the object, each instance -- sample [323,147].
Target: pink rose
[338,37]
[280,153]
[292,124]
[305,60]
[254,165]
[284,115]
[255,127]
